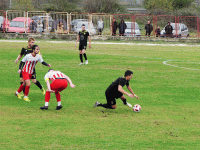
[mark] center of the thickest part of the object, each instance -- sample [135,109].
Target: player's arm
[18,58]
[48,85]
[69,80]
[120,89]
[20,66]
[77,40]
[130,89]
[89,41]
[45,64]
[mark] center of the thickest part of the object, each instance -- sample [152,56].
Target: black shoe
[58,107]
[44,107]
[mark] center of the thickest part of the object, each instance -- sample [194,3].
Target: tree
[102,6]
[4,5]
[22,5]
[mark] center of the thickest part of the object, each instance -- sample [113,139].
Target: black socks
[38,84]
[81,57]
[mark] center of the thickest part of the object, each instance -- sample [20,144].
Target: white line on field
[165,63]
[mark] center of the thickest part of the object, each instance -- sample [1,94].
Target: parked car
[75,22]
[132,30]
[88,26]
[41,18]
[182,30]
[20,25]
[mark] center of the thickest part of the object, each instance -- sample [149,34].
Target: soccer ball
[136,108]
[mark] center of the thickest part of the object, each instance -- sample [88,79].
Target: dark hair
[83,24]
[50,70]
[34,47]
[128,73]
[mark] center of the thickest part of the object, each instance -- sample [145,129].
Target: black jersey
[83,35]
[113,88]
[26,51]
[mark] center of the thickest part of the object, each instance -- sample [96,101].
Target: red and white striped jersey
[52,75]
[30,62]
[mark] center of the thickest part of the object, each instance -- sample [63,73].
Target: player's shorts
[111,97]
[59,85]
[81,47]
[26,76]
[33,75]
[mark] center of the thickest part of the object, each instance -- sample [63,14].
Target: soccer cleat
[129,105]
[81,64]
[86,62]
[96,104]
[43,91]
[58,107]
[18,96]
[27,99]
[44,107]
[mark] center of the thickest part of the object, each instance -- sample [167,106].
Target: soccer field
[165,78]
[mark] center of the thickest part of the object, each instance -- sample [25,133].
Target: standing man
[28,63]
[59,83]
[148,28]
[82,38]
[122,28]
[100,26]
[168,30]
[114,27]
[24,52]
[115,91]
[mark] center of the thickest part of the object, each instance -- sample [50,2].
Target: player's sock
[85,56]
[124,101]
[38,84]
[46,104]
[24,88]
[58,96]
[21,88]
[59,103]
[105,106]
[47,96]
[81,57]
[27,90]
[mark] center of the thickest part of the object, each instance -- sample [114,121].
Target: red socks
[47,96]
[26,90]
[58,96]
[20,88]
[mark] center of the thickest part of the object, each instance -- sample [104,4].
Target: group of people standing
[122,27]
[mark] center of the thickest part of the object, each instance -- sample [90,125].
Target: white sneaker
[97,103]
[129,105]
[86,62]
[81,64]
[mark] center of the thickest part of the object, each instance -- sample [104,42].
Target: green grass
[169,97]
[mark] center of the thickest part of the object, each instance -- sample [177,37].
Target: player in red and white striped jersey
[29,62]
[59,83]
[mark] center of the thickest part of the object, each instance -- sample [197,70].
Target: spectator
[44,24]
[114,27]
[100,26]
[33,26]
[122,28]
[158,31]
[40,27]
[168,30]
[148,28]
[60,27]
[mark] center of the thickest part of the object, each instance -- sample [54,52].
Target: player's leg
[123,98]
[27,87]
[84,54]
[80,55]
[111,102]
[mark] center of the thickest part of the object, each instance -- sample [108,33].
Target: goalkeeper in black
[115,91]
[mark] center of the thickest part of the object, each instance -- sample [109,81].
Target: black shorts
[81,47]
[110,97]
[33,75]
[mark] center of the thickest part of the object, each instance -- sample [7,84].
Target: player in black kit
[115,91]
[24,52]
[82,38]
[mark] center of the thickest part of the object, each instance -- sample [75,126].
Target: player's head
[50,70]
[31,42]
[128,74]
[83,27]
[36,49]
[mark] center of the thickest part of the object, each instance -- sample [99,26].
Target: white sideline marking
[165,63]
